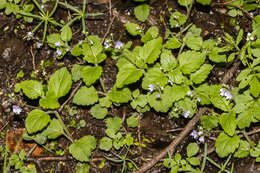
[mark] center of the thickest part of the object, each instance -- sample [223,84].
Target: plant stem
[102,85]
[6,153]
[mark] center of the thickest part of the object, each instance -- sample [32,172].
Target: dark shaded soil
[16,55]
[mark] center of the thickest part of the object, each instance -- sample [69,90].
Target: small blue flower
[194,134]
[170,82]
[151,87]
[107,44]
[189,93]
[38,45]
[118,45]
[202,139]
[228,95]
[57,44]
[17,109]
[186,114]
[158,96]
[198,99]
[58,52]
[222,92]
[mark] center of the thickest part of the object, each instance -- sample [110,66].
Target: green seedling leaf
[243,150]
[150,34]
[76,72]
[215,57]
[60,82]
[142,12]
[114,124]
[54,130]
[133,29]
[177,19]
[81,149]
[168,61]
[176,76]
[32,88]
[193,42]
[106,144]
[54,38]
[192,149]
[93,50]
[255,151]
[194,161]
[91,74]
[105,102]
[209,122]
[154,76]
[161,104]
[141,101]
[128,74]
[120,95]
[3,4]
[98,112]
[151,50]
[226,145]
[185,3]
[133,120]
[86,96]
[202,74]
[66,34]
[172,43]
[82,168]
[76,50]
[239,37]
[244,119]
[50,101]
[190,61]
[228,122]
[36,121]
[204,2]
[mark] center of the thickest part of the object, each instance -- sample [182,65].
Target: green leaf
[36,121]
[168,61]
[192,149]
[190,61]
[105,144]
[120,95]
[215,57]
[228,122]
[114,124]
[177,19]
[76,50]
[154,76]
[151,50]
[204,2]
[194,161]
[150,34]
[217,100]
[193,42]
[93,50]
[142,12]
[81,149]
[172,43]
[226,145]
[202,74]
[54,130]
[133,120]
[50,101]
[254,86]
[32,88]
[91,74]
[86,96]
[141,101]
[66,33]
[54,38]
[239,36]
[3,4]
[82,168]
[244,119]
[177,77]
[105,102]
[202,92]
[60,82]
[185,3]
[76,72]
[133,29]
[243,150]
[128,74]
[98,112]
[209,121]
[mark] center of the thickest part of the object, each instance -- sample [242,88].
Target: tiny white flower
[158,96]
[228,95]
[222,92]
[151,87]
[201,139]
[175,109]
[17,109]
[38,45]
[91,42]
[57,44]
[194,134]
[118,45]
[189,93]
[171,82]
[198,99]
[186,114]
[200,133]
[58,52]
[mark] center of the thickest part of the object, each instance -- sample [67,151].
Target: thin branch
[171,148]
[108,29]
